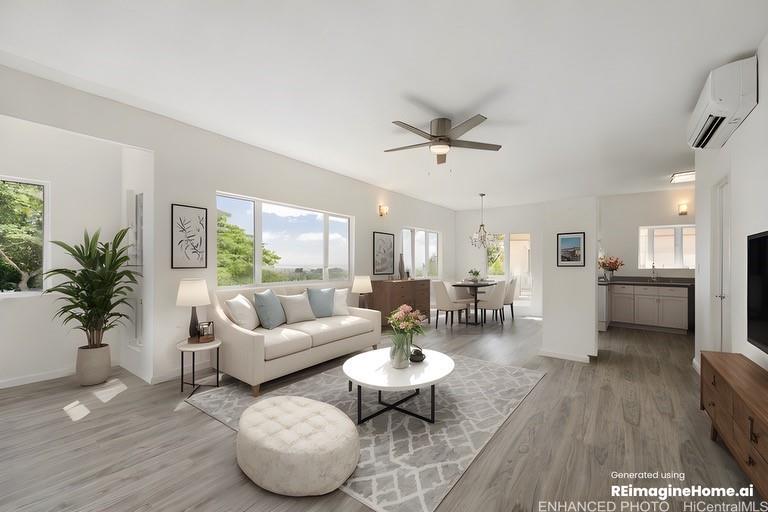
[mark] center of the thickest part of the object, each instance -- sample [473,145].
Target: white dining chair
[509,297]
[494,301]
[445,303]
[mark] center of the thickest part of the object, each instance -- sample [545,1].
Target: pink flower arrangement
[406,320]
[610,263]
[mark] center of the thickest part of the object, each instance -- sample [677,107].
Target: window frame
[46,235]
[650,256]
[427,232]
[258,240]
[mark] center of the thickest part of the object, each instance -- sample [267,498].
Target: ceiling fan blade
[474,145]
[460,129]
[408,147]
[441,159]
[420,133]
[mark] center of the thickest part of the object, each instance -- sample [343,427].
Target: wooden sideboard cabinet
[389,295]
[733,391]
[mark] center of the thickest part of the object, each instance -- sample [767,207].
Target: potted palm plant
[92,297]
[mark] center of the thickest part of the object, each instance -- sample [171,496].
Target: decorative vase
[400,353]
[93,365]
[608,274]
[401,267]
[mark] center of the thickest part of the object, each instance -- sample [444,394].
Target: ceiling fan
[443,137]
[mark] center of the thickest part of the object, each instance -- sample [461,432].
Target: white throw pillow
[340,307]
[296,307]
[243,313]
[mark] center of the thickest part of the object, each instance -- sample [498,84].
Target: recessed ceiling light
[683,177]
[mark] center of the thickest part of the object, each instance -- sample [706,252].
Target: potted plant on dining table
[405,322]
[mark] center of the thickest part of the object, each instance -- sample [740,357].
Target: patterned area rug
[406,464]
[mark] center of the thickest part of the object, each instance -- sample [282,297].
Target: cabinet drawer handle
[711,404]
[750,461]
[752,434]
[713,381]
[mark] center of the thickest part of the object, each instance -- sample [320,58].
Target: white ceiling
[587,97]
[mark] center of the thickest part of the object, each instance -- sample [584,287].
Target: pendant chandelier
[482,239]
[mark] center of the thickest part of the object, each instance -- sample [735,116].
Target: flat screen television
[757,290]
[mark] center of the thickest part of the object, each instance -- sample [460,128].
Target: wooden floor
[635,408]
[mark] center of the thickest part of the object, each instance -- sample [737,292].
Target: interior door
[722,245]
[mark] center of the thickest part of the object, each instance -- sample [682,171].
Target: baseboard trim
[36,377]
[567,357]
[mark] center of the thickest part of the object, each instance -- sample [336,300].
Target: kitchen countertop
[679,282]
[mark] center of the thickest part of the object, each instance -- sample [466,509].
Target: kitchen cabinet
[648,306]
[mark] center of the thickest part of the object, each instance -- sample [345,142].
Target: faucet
[653,272]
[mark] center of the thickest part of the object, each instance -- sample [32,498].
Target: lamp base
[194,332]
[362,300]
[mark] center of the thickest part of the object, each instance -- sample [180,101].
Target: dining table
[474,289]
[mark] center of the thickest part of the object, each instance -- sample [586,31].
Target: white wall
[565,297]
[744,161]
[622,215]
[192,164]
[85,181]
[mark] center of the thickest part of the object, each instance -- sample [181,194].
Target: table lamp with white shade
[362,286]
[193,292]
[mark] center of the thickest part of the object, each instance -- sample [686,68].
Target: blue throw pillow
[269,309]
[321,301]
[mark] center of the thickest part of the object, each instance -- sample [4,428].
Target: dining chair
[494,301]
[509,297]
[446,304]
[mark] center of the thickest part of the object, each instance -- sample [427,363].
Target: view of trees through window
[421,252]
[293,244]
[667,247]
[495,257]
[22,212]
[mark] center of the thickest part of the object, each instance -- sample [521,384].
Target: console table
[733,391]
[391,294]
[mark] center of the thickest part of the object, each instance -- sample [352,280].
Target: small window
[667,247]
[421,252]
[495,257]
[22,218]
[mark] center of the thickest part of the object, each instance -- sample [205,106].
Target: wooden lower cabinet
[733,391]
[391,294]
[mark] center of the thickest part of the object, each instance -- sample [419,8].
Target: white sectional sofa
[264,354]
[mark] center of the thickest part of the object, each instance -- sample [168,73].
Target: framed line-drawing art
[189,236]
[383,253]
[570,249]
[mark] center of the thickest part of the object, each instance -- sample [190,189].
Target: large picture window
[22,218]
[667,247]
[263,242]
[421,252]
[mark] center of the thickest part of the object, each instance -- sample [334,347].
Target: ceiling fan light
[439,148]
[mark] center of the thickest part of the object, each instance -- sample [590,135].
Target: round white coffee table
[373,370]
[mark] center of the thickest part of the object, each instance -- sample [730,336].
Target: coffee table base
[394,406]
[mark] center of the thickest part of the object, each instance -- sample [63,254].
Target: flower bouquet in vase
[609,264]
[405,322]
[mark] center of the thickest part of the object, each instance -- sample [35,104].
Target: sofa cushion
[340,307]
[242,312]
[283,341]
[321,300]
[269,309]
[326,330]
[296,307]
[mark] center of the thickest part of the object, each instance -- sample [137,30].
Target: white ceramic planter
[93,365]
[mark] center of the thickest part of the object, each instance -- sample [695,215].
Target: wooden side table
[185,346]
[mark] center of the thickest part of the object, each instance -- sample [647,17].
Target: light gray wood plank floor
[635,408]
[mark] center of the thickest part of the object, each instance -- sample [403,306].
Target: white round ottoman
[295,446]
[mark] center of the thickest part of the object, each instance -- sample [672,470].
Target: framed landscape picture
[383,253]
[570,249]
[189,236]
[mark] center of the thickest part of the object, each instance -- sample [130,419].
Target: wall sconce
[682,209]
[383,210]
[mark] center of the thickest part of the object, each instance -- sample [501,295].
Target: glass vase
[400,353]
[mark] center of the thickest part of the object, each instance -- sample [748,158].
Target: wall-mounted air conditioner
[729,95]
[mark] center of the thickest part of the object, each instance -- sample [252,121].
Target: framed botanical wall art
[570,249]
[189,236]
[383,253]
